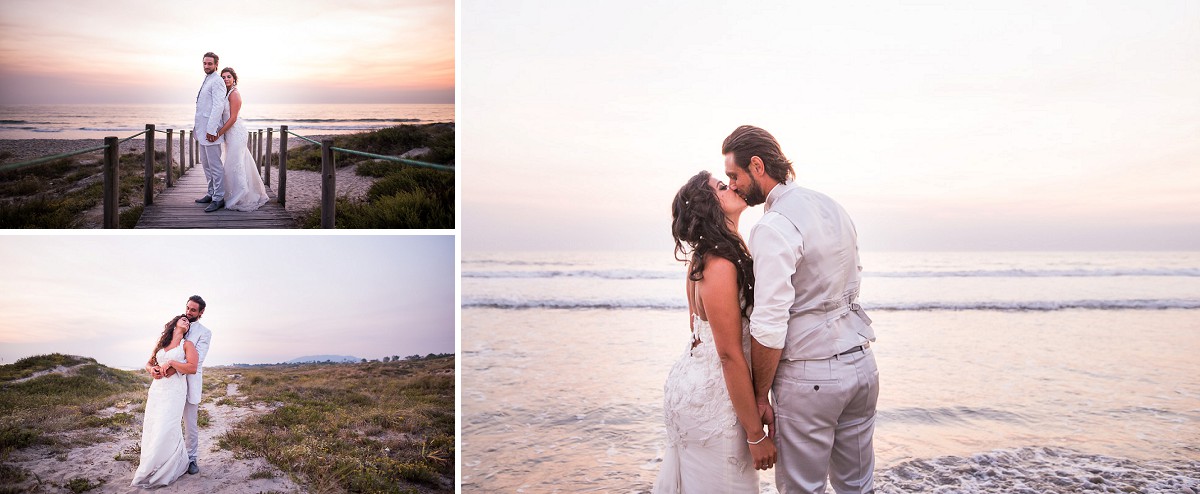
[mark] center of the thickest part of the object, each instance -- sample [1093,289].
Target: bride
[715,437]
[164,457]
[244,190]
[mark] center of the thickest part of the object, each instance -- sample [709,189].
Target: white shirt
[775,246]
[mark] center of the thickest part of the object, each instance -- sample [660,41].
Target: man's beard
[754,196]
[209,71]
[192,319]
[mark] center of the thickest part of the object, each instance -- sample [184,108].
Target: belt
[859,348]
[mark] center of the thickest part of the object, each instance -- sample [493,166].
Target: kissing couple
[177,366]
[780,318]
[232,174]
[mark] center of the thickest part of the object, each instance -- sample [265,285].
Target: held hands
[767,414]
[210,137]
[763,452]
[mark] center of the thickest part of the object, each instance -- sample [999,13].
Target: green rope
[132,136]
[398,160]
[305,138]
[14,166]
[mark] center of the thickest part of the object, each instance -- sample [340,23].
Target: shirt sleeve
[218,106]
[774,264]
[202,349]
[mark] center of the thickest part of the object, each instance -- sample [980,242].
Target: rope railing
[302,137]
[132,136]
[38,161]
[398,160]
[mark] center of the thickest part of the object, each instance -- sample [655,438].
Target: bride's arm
[235,105]
[189,352]
[719,293]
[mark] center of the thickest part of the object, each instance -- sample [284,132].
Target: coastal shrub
[29,365]
[353,427]
[80,484]
[415,209]
[17,437]
[128,218]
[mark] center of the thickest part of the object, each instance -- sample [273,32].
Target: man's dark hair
[216,59]
[747,141]
[199,301]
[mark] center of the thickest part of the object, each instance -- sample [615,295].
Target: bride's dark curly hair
[164,340]
[701,229]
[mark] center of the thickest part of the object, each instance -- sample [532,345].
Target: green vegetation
[58,193]
[405,196]
[371,427]
[38,410]
[81,484]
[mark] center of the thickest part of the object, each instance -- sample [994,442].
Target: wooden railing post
[195,153]
[258,150]
[328,179]
[170,139]
[267,165]
[181,152]
[149,182]
[111,156]
[282,194]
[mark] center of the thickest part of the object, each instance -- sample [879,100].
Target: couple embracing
[177,366]
[779,317]
[233,180]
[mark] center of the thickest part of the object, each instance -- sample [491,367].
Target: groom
[200,337]
[811,340]
[210,104]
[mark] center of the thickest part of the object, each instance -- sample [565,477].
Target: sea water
[76,121]
[1000,372]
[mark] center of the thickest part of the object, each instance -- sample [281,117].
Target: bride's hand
[763,453]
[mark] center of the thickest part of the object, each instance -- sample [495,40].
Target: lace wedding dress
[244,189]
[164,457]
[706,446]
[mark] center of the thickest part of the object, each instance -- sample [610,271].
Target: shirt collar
[778,191]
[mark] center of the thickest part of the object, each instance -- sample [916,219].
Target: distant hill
[322,358]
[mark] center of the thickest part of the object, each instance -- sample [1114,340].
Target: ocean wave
[1040,469]
[327,120]
[609,274]
[947,415]
[1003,306]
[646,274]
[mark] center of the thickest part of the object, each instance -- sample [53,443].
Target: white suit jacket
[210,103]
[199,336]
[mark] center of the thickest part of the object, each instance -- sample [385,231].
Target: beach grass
[61,407]
[405,196]
[57,194]
[368,427]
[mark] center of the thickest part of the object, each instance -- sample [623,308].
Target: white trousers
[214,170]
[825,423]
[191,435]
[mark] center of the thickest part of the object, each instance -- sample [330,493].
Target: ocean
[96,121]
[1000,371]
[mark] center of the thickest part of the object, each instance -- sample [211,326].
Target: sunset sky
[983,125]
[271,298]
[295,51]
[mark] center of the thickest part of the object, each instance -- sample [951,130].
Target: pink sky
[124,51]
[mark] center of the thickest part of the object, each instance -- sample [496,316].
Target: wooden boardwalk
[176,207]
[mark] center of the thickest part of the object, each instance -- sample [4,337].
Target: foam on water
[1038,470]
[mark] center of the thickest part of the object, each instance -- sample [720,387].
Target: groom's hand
[768,418]
[153,371]
[210,137]
[169,371]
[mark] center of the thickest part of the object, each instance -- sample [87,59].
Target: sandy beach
[221,471]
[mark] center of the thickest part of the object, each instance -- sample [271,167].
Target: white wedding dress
[706,446]
[244,189]
[164,457]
